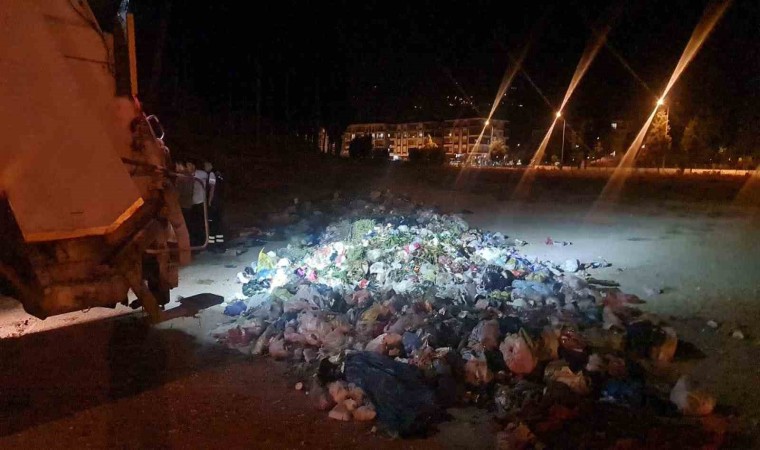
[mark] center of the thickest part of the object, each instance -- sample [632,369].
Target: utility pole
[667,126]
[562,156]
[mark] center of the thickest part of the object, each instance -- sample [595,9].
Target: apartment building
[379,132]
[460,136]
[456,136]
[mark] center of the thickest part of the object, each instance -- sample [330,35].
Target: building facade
[461,135]
[379,132]
[456,137]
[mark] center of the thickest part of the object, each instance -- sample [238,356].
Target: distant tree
[360,147]
[497,151]
[429,143]
[747,140]
[701,140]
[657,141]
[381,153]
[694,148]
[598,150]
[430,152]
[576,149]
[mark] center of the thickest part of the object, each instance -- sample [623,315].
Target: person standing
[215,211]
[197,223]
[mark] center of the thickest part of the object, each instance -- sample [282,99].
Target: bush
[381,153]
[427,156]
[360,147]
[497,150]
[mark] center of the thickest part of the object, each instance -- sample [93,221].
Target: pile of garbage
[397,317]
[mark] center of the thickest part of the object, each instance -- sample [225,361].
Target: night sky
[339,62]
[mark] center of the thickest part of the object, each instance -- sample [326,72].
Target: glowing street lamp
[559,114]
[660,101]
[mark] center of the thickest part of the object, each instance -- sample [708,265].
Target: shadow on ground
[57,373]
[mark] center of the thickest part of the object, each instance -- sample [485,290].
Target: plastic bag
[235,308]
[690,400]
[266,261]
[313,327]
[485,336]
[560,372]
[477,373]
[518,353]
[404,403]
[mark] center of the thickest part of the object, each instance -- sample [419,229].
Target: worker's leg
[198,228]
[216,233]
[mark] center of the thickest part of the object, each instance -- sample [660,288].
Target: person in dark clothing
[215,210]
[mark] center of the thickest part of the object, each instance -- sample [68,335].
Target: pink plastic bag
[518,353]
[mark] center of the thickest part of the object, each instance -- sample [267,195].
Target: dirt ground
[103,379]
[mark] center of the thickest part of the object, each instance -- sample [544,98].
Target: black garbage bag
[641,336]
[495,279]
[404,403]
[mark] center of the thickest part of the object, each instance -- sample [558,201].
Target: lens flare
[749,195]
[589,53]
[710,18]
[614,186]
[506,82]
[526,180]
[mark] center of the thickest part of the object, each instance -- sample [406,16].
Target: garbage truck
[88,205]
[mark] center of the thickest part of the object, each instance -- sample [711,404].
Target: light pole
[562,155]
[661,103]
[562,158]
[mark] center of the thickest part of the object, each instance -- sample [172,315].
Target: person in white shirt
[203,191]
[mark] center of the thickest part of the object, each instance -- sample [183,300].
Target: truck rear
[88,208]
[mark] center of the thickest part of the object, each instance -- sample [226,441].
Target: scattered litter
[235,308]
[571,265]
[737,334]
[605,283]
[690,400]
[397,312]
[652,291]
[598,264]
[556,243]
[712,324]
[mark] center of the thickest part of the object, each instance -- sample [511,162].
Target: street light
[660,101]
[564,122]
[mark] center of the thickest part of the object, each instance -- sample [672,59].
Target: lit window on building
[614,125]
